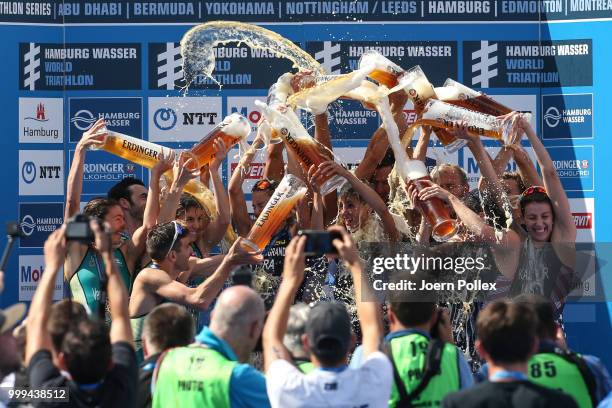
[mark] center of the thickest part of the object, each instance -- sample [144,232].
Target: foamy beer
[458,94]
[316,99]
[386,72]
[446,116]
[290,190]
[433,209]
[307,150]
[234,129]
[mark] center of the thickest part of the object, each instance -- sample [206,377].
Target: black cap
[329,330]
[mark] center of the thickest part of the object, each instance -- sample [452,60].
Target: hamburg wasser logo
[483,62]
[38,220]
[567,116]
[327,59]
[83,120]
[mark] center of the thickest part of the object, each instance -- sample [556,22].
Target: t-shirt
[515,394]
[368,386]
[117,390]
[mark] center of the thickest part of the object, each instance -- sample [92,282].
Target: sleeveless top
[267,275]
[85,283]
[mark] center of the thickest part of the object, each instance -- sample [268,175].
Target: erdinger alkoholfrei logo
[327,59]
[31,67]
[552,116]
[485,61]
[83,120]
[164,118]
[28,172]
[27,225]
[169,69]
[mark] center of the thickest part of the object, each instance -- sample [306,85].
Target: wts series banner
[67,63]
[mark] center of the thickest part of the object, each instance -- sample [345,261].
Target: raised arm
[216,228]
[74,186]
[203,295]
[366,193]
[420,151]
[565,228]
[38,315]
[368,310]
[238,208]
[121,330]
[181,176]
[527,170]
[276,324]
[151,211]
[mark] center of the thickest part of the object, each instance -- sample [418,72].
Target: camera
[78,229]
[320,242]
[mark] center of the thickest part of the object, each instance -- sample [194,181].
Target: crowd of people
[155,315]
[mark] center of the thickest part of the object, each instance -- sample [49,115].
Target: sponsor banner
[350,120]
[41,120]
[87,11]
[472,168]
[41,172]
[37,221]
[255,170]
[529,64]
[123,115]
[79,66]
[102,171]
[583,212]
[245,105]
[438,59]
[575,166]
[183,119]
[567,116]
[236,67]
[31,269]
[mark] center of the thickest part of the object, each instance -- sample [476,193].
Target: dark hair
[413,313]
[160,238]
[388,160]
[122,189]
[507,331]
[169,325]
[535,197]
[335,353]
[547,328]
[266,185]
[64,314]
[513,175]
[99,207]
[187,202]
[87,351]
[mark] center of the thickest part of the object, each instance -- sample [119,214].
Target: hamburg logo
[40,114]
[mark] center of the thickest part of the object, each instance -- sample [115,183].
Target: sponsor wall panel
[575,166]
[41,120]
[41,172]
[37,221]
[583,212]
[567,116]
[31,269]
[183,119]
[123,115]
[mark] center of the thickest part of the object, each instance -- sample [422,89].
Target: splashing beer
[458,94]
[234,129]
[446,116]
[307,150]
[290,190]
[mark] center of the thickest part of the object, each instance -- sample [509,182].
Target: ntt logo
[552,117]
[28,172]
[164,118]
[83,120]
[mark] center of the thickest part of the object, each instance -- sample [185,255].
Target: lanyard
[508,375]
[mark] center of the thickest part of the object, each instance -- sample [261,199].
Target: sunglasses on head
[178,230]
[532,190]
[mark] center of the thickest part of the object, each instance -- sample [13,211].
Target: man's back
[368,385]
[515,394]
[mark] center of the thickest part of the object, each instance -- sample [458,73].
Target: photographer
[329,340]
[101,366]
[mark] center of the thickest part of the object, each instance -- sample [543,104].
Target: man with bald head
[212,371]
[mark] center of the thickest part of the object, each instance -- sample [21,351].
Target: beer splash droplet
[198,47]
